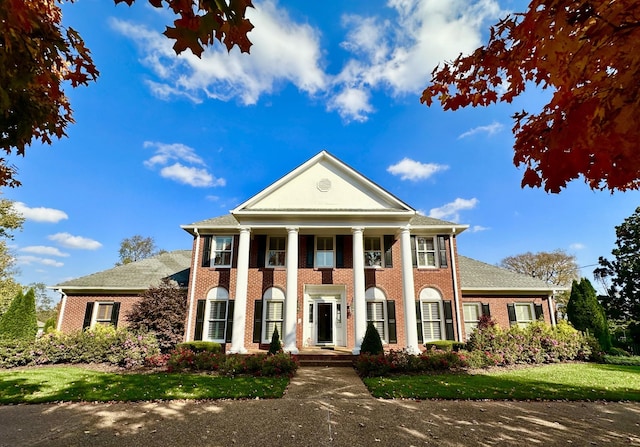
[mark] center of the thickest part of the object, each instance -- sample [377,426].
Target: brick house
[319,254]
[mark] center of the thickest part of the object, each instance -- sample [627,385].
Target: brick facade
[76,305]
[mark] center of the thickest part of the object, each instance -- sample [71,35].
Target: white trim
[63,305]
[192,286]
[456,295]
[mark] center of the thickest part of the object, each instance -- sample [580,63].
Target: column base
[413,350]
[291,350]
[241,350]
[356,351]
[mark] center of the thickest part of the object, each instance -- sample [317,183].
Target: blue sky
[161,141]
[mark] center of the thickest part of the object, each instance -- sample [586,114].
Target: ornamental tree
[39,56]
[586,52]
[623,295]
[586,314]
[19,321]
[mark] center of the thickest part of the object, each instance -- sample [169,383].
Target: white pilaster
[359,304]
[408,293]
[291,298]
[240,309]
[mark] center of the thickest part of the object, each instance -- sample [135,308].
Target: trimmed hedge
[445,345]
[400,362]
[201,346]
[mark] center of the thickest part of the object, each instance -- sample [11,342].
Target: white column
[408,293]
[359,304]
[291,298]
[240,309]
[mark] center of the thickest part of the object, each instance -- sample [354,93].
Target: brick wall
[76,306]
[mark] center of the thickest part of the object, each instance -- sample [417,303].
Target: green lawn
[568,381]
[70,383]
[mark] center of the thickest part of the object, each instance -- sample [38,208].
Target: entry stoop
[326,357]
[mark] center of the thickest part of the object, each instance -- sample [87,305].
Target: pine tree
[371,343]
[586,314]
[19,321]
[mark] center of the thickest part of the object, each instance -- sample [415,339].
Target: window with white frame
[426,251]
[273,313]
[524,313]
[431,314]
[372,252]
[216,315]
[324,252]
[472,313]
[376,310]
[222,247]
[104,312]
[276,251]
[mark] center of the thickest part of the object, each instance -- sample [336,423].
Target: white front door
[324,316]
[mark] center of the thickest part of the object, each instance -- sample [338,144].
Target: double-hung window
[276,251]
[222,249]
[472,314]
[524,313]
[217,320]
[273,317]
[426,251]
[375,315]
[431,320]
[104,312]
[372,252]
[324,252]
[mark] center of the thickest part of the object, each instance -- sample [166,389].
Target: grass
[568,381]
[70,383]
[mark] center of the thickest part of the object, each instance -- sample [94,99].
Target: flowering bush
[103,344]
[282,364]
[396,362]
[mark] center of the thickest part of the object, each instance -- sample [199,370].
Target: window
[222,248]
[375,315]
[273,313]
[372,252]
[104,312]
[217,319]
[426,251]
[276,251]
[324,251]
[431,320]
[524,313]
[472,313]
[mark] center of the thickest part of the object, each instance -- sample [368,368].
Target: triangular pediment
[323,185]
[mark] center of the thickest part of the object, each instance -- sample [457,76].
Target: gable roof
[323,185]
[478,276]
[135,276]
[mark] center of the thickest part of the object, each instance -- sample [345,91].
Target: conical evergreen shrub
[371,343]
[19,322]
[275,346]
[586,314]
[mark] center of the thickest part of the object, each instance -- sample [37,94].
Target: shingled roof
[139,275]
[477,275]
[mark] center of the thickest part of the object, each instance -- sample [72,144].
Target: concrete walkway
[322,407]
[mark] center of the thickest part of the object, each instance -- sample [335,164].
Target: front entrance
[325,323]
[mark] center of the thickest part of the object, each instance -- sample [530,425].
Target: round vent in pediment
[324,184]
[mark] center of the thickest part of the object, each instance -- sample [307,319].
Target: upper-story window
[217,251]
[276,251]
[431,251]
[372,252]
[324,251]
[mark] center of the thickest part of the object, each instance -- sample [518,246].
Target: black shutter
[257,321]
[388,258]
[419,321]
[448,320]
[200,319]
[206,251]
[261,244]
[511,310]
[115,313]
[310,250]
[485,309]
[538,310]
[339,251]
[442,250]
[391,321]
[229,331]
[414,255]
[88,313]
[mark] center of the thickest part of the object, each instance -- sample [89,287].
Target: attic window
[324,184]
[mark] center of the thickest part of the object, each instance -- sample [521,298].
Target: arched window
[216,314]
[273,313]
[376,310]
[431,314]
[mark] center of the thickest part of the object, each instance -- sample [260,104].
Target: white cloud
[451,210]
[44,250]
[40,214]
[180,155]
[491,129]
[478,228]
[78,242]
[413,170]
[30,260]
[282,51]
[577,246]
[394,52]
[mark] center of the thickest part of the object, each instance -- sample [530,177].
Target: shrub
[161,310]
[445,345]
[200,346]
[275,346]
[371,343]
[15,353]
[401,362]
[49,325]
[19,321]
[280,364]
[622,360]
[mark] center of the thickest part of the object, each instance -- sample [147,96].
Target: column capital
[245,229]
[357,229]
[292,229]
[405,229]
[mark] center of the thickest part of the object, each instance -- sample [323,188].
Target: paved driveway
[322,407]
